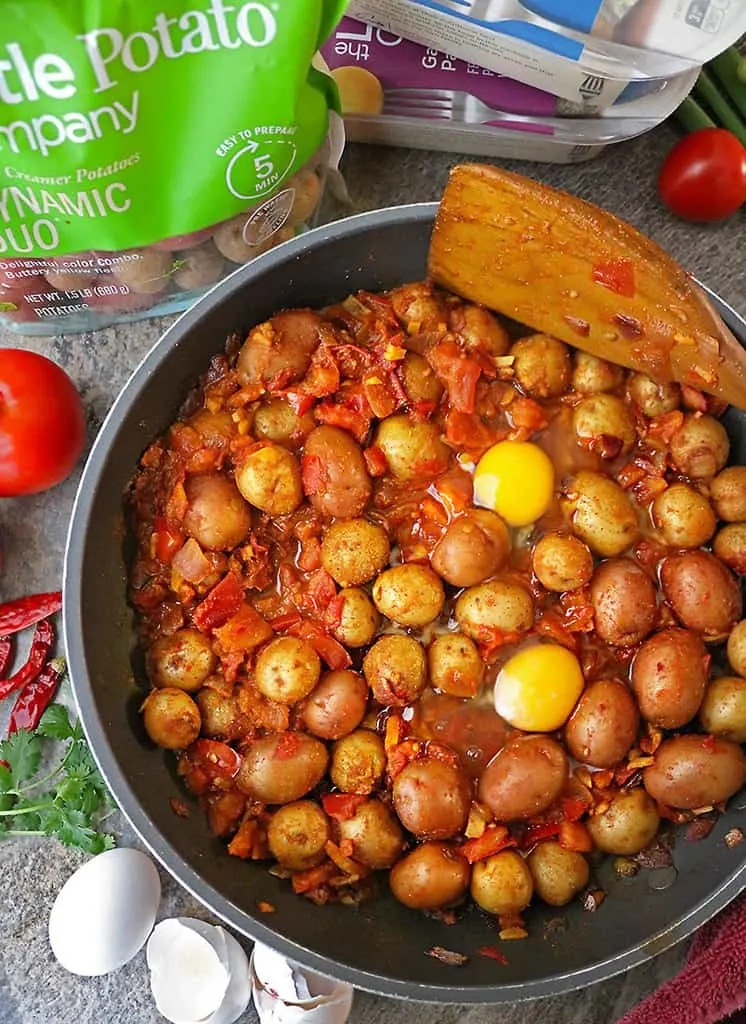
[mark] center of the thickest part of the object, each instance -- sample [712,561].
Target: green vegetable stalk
[707,92]
[730,71]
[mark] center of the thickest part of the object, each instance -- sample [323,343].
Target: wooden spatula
[567,268]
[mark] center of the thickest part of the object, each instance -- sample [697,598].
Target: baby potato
[419,307]
[149,274]
[684,516]
[282,767]
[216,428]
[278,347]
[628,826]
[479,329]
[728,494]
[603,515]
[700,447]
[524,778]
[337,705]
[541,365]
[669,675]
[287,669]
[502,884]
[455,665]
[217,516]
[432,799]
[558,874]
[736,649]
[562,562]
[297,835]
[276,420]
[307,186]
[653,398]
[431,876]
[358,762]
[695,771]
[420,380]
[335,477]
[704,595]
[376,837]
[171,718]
[730,546]
[502,605]
[591,375]
[237,244]
[604,424]
[410,594]
[358,618]
[184,660]
[475,546]
[219,713]
[413,449]
[269,479]
[723,708]
[395,670]
[353,551]
[603,726]
[198,267]
[624,599]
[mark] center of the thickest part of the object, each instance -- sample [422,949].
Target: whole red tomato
[42,426]
[703,178]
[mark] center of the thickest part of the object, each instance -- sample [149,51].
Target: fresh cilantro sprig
[67,802]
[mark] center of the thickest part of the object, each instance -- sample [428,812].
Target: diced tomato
[314,878]
[330,651]
[177,504]
[217,759]
[663,427]
[342,806]
[535,833]
[455,489]
[616,275]
[323,376]
[572,809]
[578,611]
[630,475]
[551,625]
[167,540]
[494,839]
[334,611]
[375,460]
[313,474]
[287,621]
[422,410]
[250,842]
[400,756]
[493,953]
[469,432]
[310,555]
[243,632]
[526,414]
[573,835]
[396,387]
[458,373]
[490,640]
[352,412]
[647,489]
[299,401]
[319,590]
[378,395]
[394,732]
[221,603]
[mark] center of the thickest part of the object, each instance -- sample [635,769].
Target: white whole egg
[105,912]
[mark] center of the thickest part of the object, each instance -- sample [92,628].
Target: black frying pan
[381,946]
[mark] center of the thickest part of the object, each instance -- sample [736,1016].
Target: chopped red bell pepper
[168,540]
[221,603]
[492,841]
[616,275]
[375,460]
[334,611]
[342,806]
[313,474]
[526,414]
[319,590]
[572,809]
[243,632]
[217,760]
[330,651]
[287,621]
[535,833]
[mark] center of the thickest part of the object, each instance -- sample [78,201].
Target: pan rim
[96,733]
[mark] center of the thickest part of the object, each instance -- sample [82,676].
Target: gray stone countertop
[33,988]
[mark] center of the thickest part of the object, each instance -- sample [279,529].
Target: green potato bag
[124,123]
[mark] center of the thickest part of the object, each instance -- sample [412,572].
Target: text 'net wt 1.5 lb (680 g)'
[148,148]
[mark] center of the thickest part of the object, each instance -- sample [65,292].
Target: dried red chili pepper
[27,611]
[41,645]
[6,650]
[33,699]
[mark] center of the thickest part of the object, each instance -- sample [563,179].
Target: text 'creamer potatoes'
[149,148]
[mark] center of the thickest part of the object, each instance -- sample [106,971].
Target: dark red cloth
[712,986]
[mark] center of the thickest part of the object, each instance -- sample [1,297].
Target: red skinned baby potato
[669,675]
[42,423]
[690,772]
[704,595]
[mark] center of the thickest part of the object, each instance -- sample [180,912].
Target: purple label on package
[420,82]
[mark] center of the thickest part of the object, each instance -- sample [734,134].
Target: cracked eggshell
[105,912]
[188,979]
[308,998]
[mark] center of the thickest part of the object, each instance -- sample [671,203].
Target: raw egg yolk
[516,480]
[538,688]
